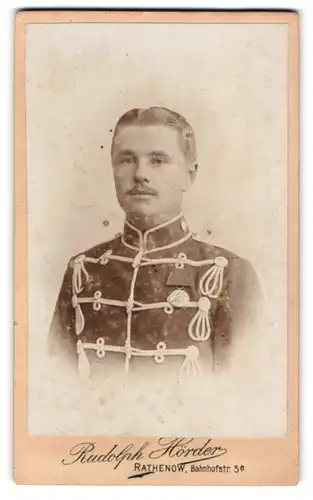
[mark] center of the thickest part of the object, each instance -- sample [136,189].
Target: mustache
[141,189]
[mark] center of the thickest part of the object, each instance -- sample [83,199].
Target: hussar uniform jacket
[154,299]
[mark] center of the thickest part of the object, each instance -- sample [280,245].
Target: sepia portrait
[157,213]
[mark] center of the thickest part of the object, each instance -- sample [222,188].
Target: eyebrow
[159,153]
[125,152]
[129,152]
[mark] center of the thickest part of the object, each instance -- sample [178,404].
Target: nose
[141,173]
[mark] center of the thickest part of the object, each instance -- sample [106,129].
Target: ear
[191,175]
[193,172]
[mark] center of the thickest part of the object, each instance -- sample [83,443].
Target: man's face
[150,170]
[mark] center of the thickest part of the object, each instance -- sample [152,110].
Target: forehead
[143,139]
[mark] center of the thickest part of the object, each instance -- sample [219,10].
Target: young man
[155,295]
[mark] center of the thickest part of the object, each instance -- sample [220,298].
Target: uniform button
[204,304]
[193,352]
[221,261]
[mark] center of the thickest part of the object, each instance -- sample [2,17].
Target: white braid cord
[199,328]
[211,283]
[165,247]
[144,236]
[129,309]
[189,367]
[77,287]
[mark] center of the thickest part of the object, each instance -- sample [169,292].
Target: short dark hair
[158,115]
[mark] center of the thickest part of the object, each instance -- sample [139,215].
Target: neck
[158,235]
[145,222]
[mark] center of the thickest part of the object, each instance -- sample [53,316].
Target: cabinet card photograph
[156,233]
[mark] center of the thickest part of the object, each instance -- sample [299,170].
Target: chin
[142,214]
[141,209]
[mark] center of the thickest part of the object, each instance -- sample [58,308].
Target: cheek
[174,180]
[122,177]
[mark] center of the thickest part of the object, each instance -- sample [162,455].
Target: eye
[127,160]
[158,161]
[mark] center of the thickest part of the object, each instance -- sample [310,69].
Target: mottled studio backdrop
[230,82]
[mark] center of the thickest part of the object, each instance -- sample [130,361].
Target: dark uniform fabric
[153,300]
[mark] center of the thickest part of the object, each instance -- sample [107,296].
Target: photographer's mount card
[156,248]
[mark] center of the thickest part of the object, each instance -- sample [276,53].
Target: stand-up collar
[168,233]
